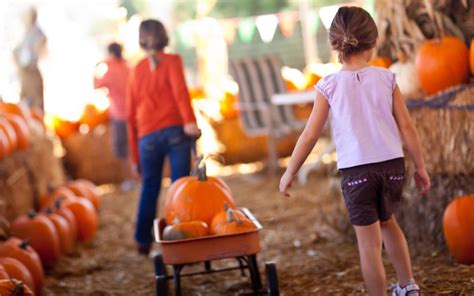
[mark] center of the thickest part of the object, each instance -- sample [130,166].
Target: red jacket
[157,99]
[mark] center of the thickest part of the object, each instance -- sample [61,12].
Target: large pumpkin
[196,198]
[3,273]
[458,225]
[9,131]
[442,63]
[86,217]
[68,215]
[20,250]
[12,287]
[60,193]
[22,130]
[17,270]
[42,234]
[82,189]
[231,221]
[185,230]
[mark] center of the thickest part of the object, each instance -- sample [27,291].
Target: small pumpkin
[81,189]
[63,228]
[22,130]
[185,230]
[42,234]
[407,79]
[9,131]
[17,270]
[458,225]
[21,250]
[68,216]
[62,193]
[231,221]
[86,217]
[381,61]
[196,198]
[442,63]
[13,287]
[20,109]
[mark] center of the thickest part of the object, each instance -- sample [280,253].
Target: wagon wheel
[160,276]
[272,279]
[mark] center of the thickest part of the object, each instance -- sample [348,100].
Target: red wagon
[242,246]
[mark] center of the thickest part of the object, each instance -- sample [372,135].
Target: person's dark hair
[115,49]
[352,30]
[154,30]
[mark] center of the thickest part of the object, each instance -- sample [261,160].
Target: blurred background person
[161,123]
[112,74]
[26,55]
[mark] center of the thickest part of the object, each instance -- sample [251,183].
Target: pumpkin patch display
[231,221]
[196,198]
[13,287]
[185,230]
[86,218]
[42,234]
[21,250]
[442,63]
[458,225]
[17,270]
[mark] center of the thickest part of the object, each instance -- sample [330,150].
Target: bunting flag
[266,26]
[327,15]
[229,28]
[246,29]
[287,22]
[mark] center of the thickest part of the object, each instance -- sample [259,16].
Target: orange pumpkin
[458,225]
[442,63]
[228,106]
[4,144]
[68,215]
[231,221]
[86,217]
[61,192]
[383,62]
[3,273]
[22,130]
[311,80]
[196,198]
[12,287]
[9,131]
[64,128]
[20,250]
[196,93]
[63,228]
[17,270]
[42,234]
[185,230]
[37,114]
[20,109]
[81,189]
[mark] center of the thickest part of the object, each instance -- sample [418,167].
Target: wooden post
[309,37]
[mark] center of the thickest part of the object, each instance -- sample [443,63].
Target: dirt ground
[307,236]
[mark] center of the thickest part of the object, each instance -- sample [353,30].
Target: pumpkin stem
[176,220]
[24,244]
[48,211]
[232,218]
[57,203]
[202,174]
[197,163]
[32,214]
[226,206]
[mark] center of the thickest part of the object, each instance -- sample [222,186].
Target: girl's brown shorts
[373,191]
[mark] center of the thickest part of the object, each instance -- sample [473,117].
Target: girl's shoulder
[385,76]
[327,84]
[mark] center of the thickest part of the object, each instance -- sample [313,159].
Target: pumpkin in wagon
[197,198]
[185,230]
[231,221]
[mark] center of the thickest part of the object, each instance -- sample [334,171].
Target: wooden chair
[259,79]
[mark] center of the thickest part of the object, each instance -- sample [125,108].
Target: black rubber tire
[272,279]
[160,282]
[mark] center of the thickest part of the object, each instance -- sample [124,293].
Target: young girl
[368,119]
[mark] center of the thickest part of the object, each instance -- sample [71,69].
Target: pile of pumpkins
[202,205]
[36,240]
[15,127]
[440,63]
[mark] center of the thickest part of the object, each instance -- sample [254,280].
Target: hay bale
[25,175]
[445,124]
[238,147]
[421,217]
[91,156]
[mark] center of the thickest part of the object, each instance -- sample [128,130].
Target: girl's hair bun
[349,41]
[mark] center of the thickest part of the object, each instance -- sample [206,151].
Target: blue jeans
[153,148]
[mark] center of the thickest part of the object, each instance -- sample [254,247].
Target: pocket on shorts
[353,185]
[394,182]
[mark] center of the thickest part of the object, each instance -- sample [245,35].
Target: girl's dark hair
[157,31]
[352,30]
[115,49]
